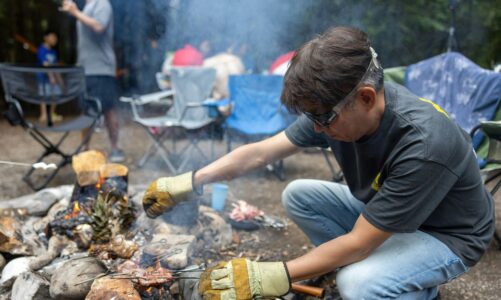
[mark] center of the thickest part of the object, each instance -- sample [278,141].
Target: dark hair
[327,68]
[49,31]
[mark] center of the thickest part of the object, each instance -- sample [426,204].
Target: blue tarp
[467,92]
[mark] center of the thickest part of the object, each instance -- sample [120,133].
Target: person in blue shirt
[48,84]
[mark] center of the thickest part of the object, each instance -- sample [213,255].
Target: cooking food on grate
[150,276]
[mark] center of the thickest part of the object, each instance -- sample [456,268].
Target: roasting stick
[39,165]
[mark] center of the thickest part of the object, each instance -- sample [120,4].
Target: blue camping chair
[471,96]
[257,112]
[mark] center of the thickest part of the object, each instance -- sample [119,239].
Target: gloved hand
[242,279]
[165,192]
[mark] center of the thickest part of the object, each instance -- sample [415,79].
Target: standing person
[414,213]
[50,83]
[96,56]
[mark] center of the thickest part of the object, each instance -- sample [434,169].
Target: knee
[355,284]
[291,196]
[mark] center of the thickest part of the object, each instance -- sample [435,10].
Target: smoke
[261,25]
[257,30]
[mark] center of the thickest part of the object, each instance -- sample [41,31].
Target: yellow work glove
[166,192]
[242,279]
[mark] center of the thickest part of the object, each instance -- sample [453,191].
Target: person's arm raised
[71,8]
[246,158]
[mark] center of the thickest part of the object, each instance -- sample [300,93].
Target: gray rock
[14,268]
[172,250]
[222,231]
[39,203]
[74,278]
[30,286]
[50,269]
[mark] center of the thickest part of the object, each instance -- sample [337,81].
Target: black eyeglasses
[325,119]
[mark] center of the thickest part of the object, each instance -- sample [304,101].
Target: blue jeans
[405,266]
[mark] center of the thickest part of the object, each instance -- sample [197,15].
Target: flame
[74,212]
[76,207]
[100,182]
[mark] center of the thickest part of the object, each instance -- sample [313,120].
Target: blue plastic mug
[219,193]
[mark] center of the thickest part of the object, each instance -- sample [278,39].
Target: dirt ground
[260,188]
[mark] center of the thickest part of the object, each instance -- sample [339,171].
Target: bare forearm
[89,22]
[325,258]
[232,165]
[246,158]
[344,250]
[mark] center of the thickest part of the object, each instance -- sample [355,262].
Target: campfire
[90,240]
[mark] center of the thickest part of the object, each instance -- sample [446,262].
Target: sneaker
[56,118]
[116,156]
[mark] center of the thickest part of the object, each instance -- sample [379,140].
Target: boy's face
[51,39]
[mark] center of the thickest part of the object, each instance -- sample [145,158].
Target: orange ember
[100,182]
[74,213]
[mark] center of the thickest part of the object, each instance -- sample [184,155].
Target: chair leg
[157,146]
[50,148]
[497,237]
[279,170]
[336,176]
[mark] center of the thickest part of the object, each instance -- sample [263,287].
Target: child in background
[48,84]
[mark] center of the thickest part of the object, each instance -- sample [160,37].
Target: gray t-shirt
[416,171]
[95,50]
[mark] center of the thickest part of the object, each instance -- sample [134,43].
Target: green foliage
[404,32]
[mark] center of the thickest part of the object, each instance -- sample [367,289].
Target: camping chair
[191,86]
[257,112]
[470,95]
[24,85]
[491,163]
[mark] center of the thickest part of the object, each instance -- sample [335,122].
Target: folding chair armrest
[191,105]
[148,98]
[492,129]
[95,105]
[14,113]
[474,130]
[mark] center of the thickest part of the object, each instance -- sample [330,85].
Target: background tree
[403,32]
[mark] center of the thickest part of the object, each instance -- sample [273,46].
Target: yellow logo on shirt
[376,184]
[436,106]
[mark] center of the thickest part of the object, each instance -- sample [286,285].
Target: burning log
[66,221]
[99,200]
[86,166]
